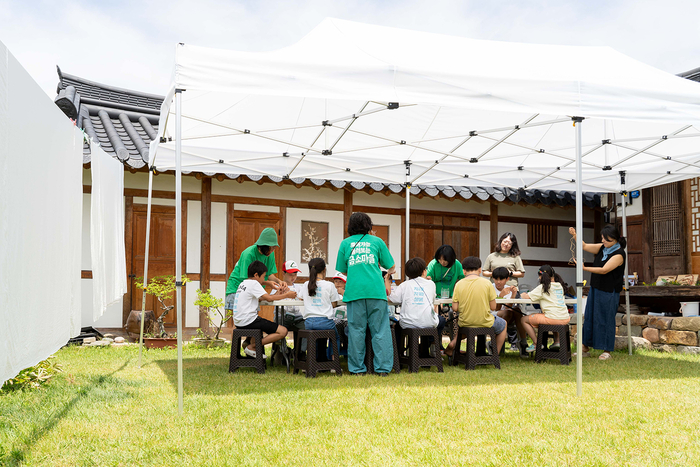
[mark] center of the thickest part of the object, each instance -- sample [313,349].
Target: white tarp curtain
[108,257]
[41,159]
[470,112]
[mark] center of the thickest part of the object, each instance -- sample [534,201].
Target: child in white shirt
[550,296]
[247,304]
[416,297]
[320,297]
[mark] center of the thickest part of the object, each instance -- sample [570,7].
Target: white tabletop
[439,301]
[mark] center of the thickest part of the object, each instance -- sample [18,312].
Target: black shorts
[266,326]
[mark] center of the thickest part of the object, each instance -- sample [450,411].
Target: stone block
[688,350]
[664,348]
[636,320]
[678,337]
[618,319]
[635,331]
[659,322]
[637,343]
[686,324]
[89,340]
[651,334]
[119,340]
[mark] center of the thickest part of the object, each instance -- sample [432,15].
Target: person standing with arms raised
[360,257]
[607,278]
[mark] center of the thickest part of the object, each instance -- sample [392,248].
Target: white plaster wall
[361,198]
[267,191]
[218,289]
[86,254]
[395,233]
[218,238]
[634,209]
[191,311]
[193,262]
[162,182]
[484,240]
[294,234]
[255,207]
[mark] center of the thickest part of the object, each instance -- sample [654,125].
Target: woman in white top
[320,297]
[550,296]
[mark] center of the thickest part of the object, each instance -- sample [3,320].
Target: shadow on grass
[18,454]
[209,375]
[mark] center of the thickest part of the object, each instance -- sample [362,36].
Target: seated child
[474,297]
[320,296]
[550,296]
[247,304]
[293,317]
[511,314]
[341,312]
[416,297]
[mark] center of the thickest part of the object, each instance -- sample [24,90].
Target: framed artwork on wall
[381,231]
[314,240]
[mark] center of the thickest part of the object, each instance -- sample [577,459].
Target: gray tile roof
[124,122]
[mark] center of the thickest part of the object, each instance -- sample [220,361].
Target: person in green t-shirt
[360,257]
[261,250]
[445,271]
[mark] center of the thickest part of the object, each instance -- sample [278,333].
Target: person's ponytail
[316,266]
[546,274]
[623,242]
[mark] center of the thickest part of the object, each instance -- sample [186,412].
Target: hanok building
[223,214]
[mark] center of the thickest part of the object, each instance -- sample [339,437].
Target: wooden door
[429,232]
[664,207]
[161,261]
[247,226]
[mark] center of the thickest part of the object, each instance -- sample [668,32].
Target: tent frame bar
[579,258]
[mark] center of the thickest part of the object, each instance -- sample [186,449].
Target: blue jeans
[323,324]
[370,313]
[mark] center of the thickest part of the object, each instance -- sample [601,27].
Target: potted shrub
[212,307]
[161,287]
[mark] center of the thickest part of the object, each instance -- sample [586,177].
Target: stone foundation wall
[665,334]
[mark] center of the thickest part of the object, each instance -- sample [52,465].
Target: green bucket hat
[268,237]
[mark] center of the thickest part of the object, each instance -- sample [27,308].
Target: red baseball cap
[341,276]
[290,267]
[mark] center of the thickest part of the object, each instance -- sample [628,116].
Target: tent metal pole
[625,282]
[178,241]
[408,210]
[145,265]
[579,258]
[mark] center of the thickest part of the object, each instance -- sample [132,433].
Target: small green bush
[33,377]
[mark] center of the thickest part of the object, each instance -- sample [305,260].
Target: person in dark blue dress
[607,278]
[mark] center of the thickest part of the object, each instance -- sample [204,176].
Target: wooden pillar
[205,246]
[128,246]
[347,210]
[493,224]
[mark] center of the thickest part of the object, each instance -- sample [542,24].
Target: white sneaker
[250,353]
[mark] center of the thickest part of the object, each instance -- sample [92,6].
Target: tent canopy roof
[358,102]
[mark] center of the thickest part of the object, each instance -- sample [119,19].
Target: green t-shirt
[240,272]
[445,278]
[362,266]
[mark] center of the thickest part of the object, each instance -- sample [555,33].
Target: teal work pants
[372,314]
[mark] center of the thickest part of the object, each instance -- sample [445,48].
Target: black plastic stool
[542,352]
[470,358]
[414,360]
[311,365]
[244,361]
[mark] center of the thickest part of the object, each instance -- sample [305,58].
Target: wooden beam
[86,274]
[460,228]
[554,264]
[205,246]
[493,225]
[128,247]
[347,210]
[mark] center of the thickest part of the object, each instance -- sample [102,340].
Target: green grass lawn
[103,410]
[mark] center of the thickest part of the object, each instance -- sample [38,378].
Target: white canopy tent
[356,102]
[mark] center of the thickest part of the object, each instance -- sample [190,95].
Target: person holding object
[607,276]
[360,257]
[415,296]
[247,304]
[445,271]
[320,297]
[475,299]
[550,296]
[506,254]
[511,313]
[261,251]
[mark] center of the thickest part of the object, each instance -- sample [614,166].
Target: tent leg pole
[408,211]
[625,282]
[579,259]
[145,263]
[178,241]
